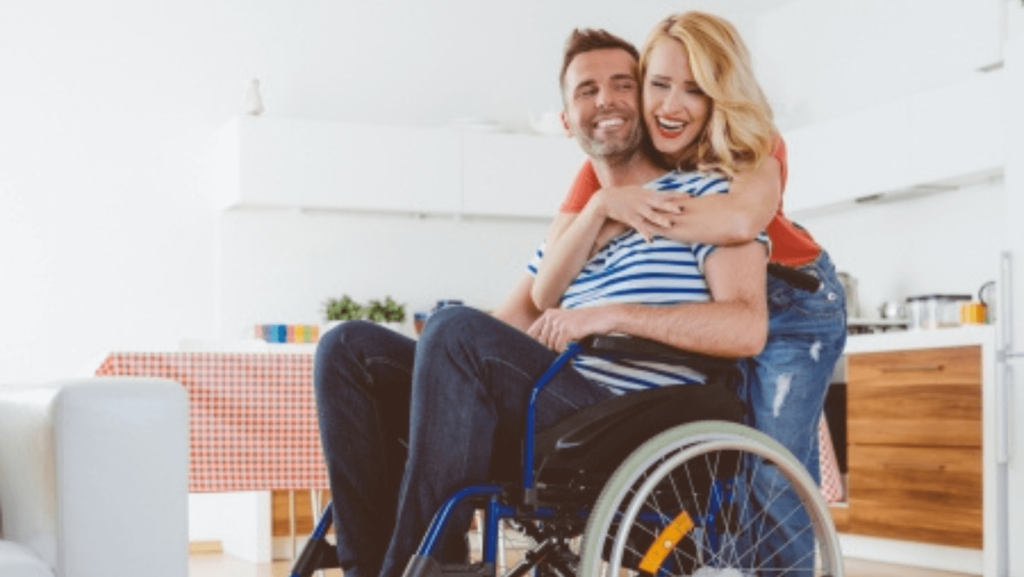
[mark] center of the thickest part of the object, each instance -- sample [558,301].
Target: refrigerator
[1009,312]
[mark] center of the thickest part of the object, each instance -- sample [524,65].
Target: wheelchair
[648,483]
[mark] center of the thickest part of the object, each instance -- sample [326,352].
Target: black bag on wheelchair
[576,456]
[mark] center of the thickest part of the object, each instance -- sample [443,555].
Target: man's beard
[611,150]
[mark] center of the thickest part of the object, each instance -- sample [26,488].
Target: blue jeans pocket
[827,301]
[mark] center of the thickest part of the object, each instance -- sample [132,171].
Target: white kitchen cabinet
[846,158]
[517,174]
[933,140]
[957,132]
[287,163]
[872,50]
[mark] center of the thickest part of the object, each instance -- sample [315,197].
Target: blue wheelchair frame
[319,554]
[495,512]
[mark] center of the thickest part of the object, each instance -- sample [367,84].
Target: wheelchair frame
[520,504]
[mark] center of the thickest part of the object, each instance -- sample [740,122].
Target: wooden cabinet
[305,520]
[915,445]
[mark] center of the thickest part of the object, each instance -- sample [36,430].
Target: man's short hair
[587,39]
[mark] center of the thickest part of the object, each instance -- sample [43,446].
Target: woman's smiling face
[676,110]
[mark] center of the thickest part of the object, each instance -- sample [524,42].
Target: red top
[791,244]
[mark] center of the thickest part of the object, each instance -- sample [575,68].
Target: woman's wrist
[597,207]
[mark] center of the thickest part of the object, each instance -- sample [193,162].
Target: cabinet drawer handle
[913,465]
[907,368]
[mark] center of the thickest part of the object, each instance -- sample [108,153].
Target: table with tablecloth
[252,421]
[253,424]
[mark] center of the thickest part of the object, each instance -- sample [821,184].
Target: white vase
[253,105]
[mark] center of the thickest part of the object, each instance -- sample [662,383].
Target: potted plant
[388,313]
[340,310]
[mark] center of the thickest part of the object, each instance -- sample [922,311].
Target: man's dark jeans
[458,395]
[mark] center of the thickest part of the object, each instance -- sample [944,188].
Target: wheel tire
[655,467]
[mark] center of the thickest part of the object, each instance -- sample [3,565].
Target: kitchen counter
[921,339]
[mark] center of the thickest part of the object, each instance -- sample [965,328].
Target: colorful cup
[972,313]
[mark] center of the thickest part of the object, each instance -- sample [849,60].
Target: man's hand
[639,208]
[557,327]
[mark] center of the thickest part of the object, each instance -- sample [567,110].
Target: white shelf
[300,164]
[932,141]
[287,163]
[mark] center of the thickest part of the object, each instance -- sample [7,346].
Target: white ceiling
[399,62]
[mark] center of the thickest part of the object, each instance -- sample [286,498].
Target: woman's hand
[639,208]
[728,219]
[558,327]
[609,230]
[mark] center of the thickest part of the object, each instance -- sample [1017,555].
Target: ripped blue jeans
[784,389]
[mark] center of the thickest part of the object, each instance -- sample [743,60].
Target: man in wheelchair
[405,424]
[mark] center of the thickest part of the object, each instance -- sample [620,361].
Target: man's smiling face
[601,103]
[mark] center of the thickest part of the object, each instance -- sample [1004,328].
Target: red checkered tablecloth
[831,478]
[252,421]
[253,424]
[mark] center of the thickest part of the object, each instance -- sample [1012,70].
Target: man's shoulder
[695,183]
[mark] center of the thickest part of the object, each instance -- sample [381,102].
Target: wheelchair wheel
[681,504]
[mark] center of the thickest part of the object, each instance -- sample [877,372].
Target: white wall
[106,237]
[107,240]
[944,243]
[281,266]
[822,58]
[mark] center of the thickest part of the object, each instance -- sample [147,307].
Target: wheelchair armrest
[624,346]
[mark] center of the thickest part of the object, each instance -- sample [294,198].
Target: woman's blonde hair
[740,131]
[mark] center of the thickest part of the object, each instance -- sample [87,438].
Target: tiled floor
[221,565]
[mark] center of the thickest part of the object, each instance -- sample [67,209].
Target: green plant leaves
[343,309]
[385,312]
[346,309]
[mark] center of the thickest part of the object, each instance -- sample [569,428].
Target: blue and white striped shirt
[630,270]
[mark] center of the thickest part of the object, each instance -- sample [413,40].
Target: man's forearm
[733,324]
[726,329]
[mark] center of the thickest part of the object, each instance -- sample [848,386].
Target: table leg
[501,547]
[291,523]
[315,497]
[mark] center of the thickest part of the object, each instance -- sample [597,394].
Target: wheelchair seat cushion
[595,440]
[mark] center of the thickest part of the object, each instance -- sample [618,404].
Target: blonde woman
[705,111]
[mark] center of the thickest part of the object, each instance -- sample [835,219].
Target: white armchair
[94,479]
